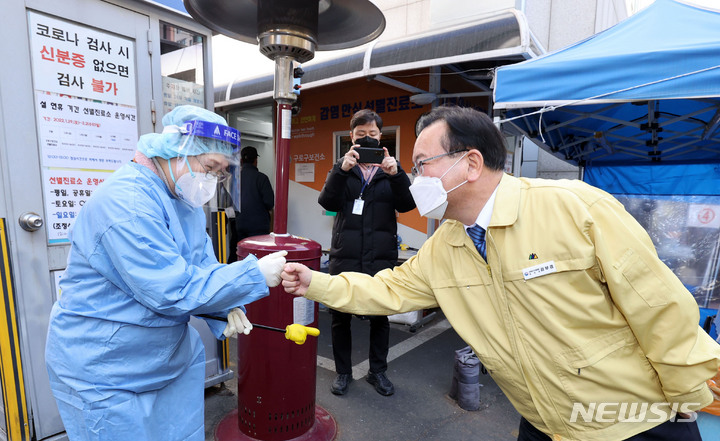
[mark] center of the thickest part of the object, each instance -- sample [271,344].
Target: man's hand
[296,278]
[389,164]
[237,323]
[350,159]
[270,266]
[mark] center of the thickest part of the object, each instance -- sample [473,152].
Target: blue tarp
[646,89]
[656,179]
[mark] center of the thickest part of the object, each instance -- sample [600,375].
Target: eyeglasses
[220,175]
[417,170]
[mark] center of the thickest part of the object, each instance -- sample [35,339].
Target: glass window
[182,66]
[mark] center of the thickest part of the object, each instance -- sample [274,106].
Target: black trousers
[667,431]
[342,342]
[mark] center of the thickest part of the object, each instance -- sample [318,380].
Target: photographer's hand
[389,164]
[350,159]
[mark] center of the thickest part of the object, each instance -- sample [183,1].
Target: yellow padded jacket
[602,321]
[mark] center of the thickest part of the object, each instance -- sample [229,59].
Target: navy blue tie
[477,234]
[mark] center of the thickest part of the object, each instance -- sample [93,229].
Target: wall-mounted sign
[80,61]
[78,133]
[65,193]
[379,105]
[305,172]
[85,102]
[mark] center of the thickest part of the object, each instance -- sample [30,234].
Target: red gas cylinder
[276,377]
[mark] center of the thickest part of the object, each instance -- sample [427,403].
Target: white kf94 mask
[430,195]
[196,188]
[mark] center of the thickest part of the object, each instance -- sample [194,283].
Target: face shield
[232,187]
[205,153]
[228,191]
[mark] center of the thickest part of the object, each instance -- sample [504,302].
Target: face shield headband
[206,137]
[205,153]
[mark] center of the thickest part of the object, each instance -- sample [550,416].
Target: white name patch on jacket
[539,270]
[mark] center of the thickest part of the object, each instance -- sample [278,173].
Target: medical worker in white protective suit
[124,363]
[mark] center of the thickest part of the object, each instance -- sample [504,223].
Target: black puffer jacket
[366,243]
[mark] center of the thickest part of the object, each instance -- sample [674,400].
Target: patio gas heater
[276,381]
[287,31]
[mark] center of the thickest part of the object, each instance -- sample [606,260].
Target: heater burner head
[294,28]
[289,42]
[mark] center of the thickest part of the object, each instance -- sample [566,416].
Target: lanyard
[365,184]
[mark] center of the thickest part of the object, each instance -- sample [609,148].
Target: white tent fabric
[647,89]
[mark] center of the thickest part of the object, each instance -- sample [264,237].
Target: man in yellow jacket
[557,288]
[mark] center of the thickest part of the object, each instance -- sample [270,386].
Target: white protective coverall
[123,361]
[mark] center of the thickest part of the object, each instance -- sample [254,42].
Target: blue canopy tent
[646,89]
[638,107]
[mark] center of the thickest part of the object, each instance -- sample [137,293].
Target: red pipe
[282,170]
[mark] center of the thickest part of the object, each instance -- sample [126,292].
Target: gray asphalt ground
[420,409]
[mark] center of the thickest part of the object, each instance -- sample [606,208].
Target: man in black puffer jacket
[256,202]
[366,198]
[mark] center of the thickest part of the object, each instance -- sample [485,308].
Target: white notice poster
[703,216]
[78,133]
[66,191]
[78,60]
[305,172]
[86,107]
[303,311]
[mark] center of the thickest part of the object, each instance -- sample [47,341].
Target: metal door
[67,69]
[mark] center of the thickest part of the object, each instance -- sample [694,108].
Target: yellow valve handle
[298,333]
